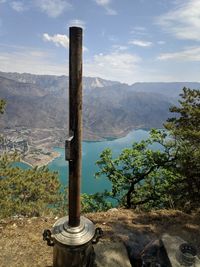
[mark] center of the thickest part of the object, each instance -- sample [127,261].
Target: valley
[36,115]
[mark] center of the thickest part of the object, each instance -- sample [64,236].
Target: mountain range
[110,108]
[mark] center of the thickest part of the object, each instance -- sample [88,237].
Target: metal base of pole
[73,246]
[77,256]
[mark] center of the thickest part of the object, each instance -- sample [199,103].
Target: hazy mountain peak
[97,83]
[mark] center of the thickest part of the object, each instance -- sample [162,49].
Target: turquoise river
[91,152]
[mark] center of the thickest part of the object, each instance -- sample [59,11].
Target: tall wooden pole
[75,124]
[73,235]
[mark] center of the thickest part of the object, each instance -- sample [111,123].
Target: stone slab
[109,254]
[171,244]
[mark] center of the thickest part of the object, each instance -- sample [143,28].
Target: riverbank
[90,155]
[43,153]
[109,136]
[40,160]
[38,144]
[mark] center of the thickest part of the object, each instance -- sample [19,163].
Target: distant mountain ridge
[171,89]
[110,109]
[52,82]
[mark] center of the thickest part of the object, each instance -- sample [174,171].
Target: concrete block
[171,244]
[109,254]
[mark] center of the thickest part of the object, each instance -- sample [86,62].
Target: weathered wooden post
[73,236]
[75,124]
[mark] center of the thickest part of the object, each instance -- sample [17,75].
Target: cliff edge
[21,242]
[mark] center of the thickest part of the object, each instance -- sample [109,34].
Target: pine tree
[28,192]
[185,129]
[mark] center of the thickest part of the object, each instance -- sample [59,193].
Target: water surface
[91,152]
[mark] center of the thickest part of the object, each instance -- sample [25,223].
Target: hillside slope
[110,109]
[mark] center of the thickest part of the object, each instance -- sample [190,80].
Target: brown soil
[21,242]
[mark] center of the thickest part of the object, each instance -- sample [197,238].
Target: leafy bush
[164,178]
[139,173]
[95,202]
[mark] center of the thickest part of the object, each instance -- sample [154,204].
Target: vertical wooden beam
[75,123]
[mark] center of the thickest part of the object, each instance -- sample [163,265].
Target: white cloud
[77,22]
[129,68]
[120,47]
[113,38]
[140,31]
[26,59]
[161,42]
[183,21]
[106,4]
[2,1]
[103,2]
[114,66]
[141,43]
[57,39]
[140,28]
[189,54]
[85,49]
[60,40]
[1,27]
[18,6]
[53,8]
[111,11]
[121,66]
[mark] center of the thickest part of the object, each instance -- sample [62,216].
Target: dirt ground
[21,241]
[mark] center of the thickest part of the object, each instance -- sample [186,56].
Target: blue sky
[124,40]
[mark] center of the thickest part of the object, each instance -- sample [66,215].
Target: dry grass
[21,241]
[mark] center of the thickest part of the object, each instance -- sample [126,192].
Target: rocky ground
[21,241]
